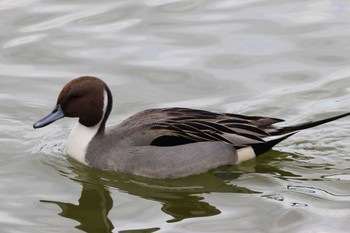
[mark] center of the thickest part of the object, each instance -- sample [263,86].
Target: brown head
[85,98]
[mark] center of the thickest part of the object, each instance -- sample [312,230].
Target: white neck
[79,139]
[81,135]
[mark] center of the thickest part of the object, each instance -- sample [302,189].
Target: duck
[162,142]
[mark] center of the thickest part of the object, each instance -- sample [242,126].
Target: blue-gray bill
[56,114]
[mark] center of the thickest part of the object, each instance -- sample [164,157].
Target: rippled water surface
[287,59]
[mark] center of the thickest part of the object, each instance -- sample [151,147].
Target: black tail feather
[261,148]
[306,125]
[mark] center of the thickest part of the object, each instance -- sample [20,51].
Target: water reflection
[180,198]
[92,211]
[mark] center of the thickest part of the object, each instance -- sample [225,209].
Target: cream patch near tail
[245,154]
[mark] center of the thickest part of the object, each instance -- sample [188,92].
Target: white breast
[79,140]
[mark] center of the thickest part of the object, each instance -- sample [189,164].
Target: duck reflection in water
[180,198]
[92,211]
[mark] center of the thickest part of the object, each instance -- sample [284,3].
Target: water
[287,59]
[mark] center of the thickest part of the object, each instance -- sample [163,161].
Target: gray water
[286,59]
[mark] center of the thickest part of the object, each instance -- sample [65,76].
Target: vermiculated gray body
[162,162]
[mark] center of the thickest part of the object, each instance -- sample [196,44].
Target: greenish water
[287,59]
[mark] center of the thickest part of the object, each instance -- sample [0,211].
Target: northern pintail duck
[164,142]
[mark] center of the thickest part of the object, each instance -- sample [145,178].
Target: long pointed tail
[271,141]
[280,134]
[306,125]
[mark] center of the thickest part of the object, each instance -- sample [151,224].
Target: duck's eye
[74,96]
